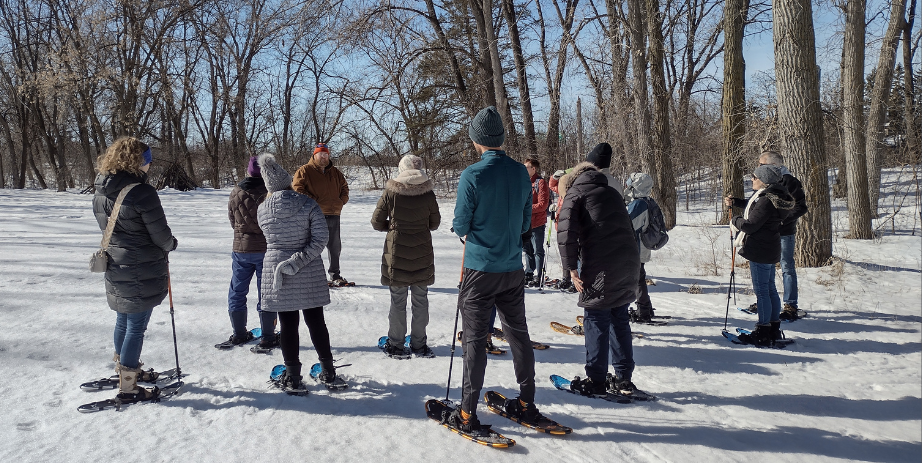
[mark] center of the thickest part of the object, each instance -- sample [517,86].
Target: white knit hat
[410,162]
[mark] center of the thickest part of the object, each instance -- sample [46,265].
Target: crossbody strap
[113,217]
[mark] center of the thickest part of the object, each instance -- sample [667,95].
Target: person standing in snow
[595,228]
[636,195]
[533,240]
[408,212]
[293,281]
[137,275]
[324,183]
[759,240]
[247,257]
[788,230]
[493,210]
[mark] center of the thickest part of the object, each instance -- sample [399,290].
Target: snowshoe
[625,389]
[330,380]
[289,381]
[395,352]
[525,414]
[449,417]
[240,340]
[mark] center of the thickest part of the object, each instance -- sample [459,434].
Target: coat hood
[779,197]
[412,177]
[285,203]
[639,185]
[108,184]
[407,188]
[581,168]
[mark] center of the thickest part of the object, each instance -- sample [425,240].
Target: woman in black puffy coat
[137,276]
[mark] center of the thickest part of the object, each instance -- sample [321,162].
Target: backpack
[654,237]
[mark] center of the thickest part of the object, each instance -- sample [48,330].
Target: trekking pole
[169,287]
[547,252]
[732,269]
[454,337]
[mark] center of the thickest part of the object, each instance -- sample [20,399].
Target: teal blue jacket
[494,210]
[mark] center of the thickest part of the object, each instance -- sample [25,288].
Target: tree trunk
[877,115]
[800,124]
[499,83]
[733,103]
[619,113]
[663,175]
[639,67]
[853,145]
[485,68]
[528,118]
[913,130]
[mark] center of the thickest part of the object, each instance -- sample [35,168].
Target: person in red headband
[324,183]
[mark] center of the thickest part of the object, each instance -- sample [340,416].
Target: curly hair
[123,154]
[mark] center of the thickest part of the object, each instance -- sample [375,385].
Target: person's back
[494,210]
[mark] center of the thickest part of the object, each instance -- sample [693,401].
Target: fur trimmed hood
[576,172]
[411,182]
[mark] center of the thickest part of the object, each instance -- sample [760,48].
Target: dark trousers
[644,306]
[316,325]
[480,291]
[534,251]
[334,245]
[608,331]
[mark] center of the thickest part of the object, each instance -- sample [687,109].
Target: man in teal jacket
[493,210]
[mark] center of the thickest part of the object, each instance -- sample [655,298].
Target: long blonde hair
[123,154]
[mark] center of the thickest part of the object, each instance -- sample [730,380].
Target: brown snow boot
[128,389]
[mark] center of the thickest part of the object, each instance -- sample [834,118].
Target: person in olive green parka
[408,212]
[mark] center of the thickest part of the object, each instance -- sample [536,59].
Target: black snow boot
[267,322]
[327,371]
[761,336]
[588,387]
[292,378]
[238,320]
[775,333]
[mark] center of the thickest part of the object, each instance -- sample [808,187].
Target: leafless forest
[209,83]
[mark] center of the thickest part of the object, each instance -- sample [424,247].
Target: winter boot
[242,339]
[761,336]
[267,322]
[775,333]
[292,378]
[789,313]
[465,422]
[641,315]
[128,389]
[523,411]
[148,375]
[529,279]
[117,359]
[620,386]
[238,320]
[588,387]
[327,372]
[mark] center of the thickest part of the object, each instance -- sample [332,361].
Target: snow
[850,389]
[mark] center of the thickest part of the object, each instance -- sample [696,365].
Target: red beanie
[321,147]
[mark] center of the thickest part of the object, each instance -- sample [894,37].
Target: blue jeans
[763,283]
[534,251]
[243,266]
[788,273]
[608,334]
[129,336]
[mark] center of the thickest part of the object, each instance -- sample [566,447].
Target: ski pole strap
[113,216]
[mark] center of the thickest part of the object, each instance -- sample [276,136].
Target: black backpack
[654,237]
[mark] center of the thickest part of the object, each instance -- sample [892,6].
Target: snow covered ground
[849,390]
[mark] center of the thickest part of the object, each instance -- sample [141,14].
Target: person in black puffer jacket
[137,276]
[759,241]
[247,258]
[594,226]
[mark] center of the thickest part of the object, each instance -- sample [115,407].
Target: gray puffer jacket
[295,228]
[137,274]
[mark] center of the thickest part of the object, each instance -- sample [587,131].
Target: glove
[526,237]
[553,207]
[559,174]
[175,243]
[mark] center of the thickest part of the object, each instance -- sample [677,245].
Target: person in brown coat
[247,258]
[408,212]
[323,182]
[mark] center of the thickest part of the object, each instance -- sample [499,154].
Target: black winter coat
[137,275]
[762,243]
[796,190]
[244,201]
[593,224]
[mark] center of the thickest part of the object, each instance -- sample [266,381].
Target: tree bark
[639,68]
[913,129]
[800,124]
[499,83]
[733,103]
[853,143]
[663,175]
[877,115]
[528,118]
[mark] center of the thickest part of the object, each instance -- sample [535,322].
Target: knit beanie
[487,128]
[321,147]
[275,176]
[768,174]
[410,162]
[253,167]
[147,157]
[600,156]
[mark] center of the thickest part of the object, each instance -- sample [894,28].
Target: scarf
[741,235]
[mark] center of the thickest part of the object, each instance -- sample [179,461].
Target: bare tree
[733,103]
[663,175]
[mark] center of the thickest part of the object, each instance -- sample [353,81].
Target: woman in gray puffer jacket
[293,277]
[137,275]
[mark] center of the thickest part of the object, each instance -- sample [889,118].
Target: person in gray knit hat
[493,211]
[293,277]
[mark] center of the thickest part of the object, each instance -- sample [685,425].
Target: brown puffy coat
[407,212]
[327,186]
[244,201]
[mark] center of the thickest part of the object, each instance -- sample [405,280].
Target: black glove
[526,237]
[175,243]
